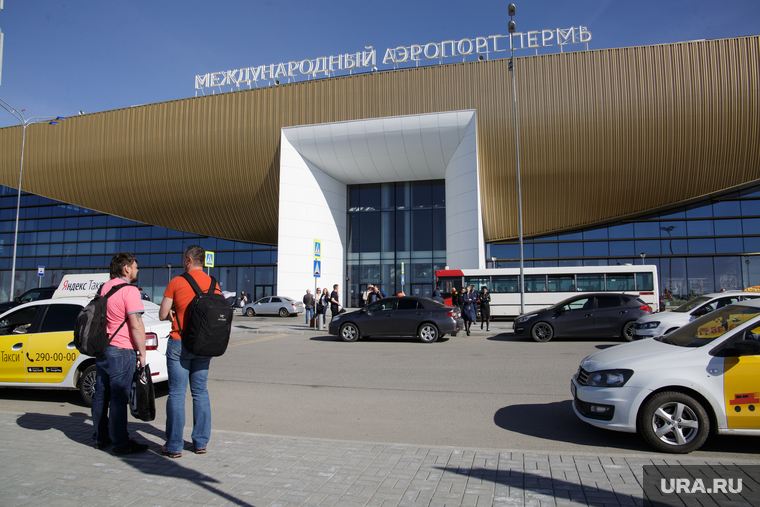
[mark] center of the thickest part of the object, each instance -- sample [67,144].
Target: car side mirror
[748,347]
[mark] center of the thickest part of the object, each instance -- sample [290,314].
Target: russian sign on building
[326,66]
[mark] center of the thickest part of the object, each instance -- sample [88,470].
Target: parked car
[274,305]
[37,346]
[602,315]
[30,295]
[676,389]
[398,316]
[662,323]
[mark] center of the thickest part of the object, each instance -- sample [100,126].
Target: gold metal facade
[603,134]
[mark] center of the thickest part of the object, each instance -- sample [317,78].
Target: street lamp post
[512,26]
[643,256]
[25,122]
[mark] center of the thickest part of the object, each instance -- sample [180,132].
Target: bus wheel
[542,332]
[627,332]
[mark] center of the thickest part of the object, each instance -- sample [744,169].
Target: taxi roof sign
[83,285]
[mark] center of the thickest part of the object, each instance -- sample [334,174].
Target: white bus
[545,287]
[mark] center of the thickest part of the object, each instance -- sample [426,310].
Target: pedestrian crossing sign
[209,259]
[317,268]
[317,249]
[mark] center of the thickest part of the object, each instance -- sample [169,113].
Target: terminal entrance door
[261,291]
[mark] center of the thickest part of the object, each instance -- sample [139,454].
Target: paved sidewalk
[49,460]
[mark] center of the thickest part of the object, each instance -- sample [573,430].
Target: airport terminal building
[645,150]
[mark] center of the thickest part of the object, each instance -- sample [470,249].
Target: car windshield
[703,331]
[687,307]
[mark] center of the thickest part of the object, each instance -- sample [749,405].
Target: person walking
[116,366]
[243,298]
[308,304]
[183,366]
[334,301]
[485,307]
[469,313]
[325,300]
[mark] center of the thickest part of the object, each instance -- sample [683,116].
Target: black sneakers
[132,447]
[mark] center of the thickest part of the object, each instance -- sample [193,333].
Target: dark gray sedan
[398,316]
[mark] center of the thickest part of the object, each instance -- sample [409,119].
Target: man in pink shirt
[117,364]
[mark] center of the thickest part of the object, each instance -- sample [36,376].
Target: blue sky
[94,55]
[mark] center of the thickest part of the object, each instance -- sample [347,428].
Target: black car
[588,315]
[30,295]
[398,316]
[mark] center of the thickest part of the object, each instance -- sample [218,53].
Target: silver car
[274,305]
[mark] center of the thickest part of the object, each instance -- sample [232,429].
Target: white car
[37,342]
[274,305]
[676,389]
[662,323]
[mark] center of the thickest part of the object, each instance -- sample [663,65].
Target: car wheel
[349,332]
[87,384]
[284,312]
[627,331]
[428,333]
[542,332]
[673,422]
[249,312]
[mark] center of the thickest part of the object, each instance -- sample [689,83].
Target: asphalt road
[488,390]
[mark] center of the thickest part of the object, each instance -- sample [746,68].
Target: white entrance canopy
[318,162]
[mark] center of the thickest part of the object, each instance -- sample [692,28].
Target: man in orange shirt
[182,365]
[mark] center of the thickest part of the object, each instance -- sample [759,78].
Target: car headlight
[520,320]
[609,378]
[648,325]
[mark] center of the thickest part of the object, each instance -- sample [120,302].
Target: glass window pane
[510,251]
[699,211]
[701,275]
[570,236]
[504,284]
[354,222]
[570,249]
[439,232]
[674,247]
[354,198]
[700,228]
[728,273]
[728,227]
[751,207]
[590,282]
[403,228]
[595,249]
[600,233]
[729,245]
[422,233]
[621,282]
[439,193]
[675,213]
[403,195]
[387,196]
[727,209]
[535,283]
[545,250]
[702,246]
[622,231]
[370,197]
[369,235]
[752,244]
[647,229]
[422,194]
[561,283]
[649,247]
[621,248]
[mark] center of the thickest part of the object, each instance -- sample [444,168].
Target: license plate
[572,388]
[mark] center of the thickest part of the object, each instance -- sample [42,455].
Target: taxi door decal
[741,389]
[12,361]
[49,356]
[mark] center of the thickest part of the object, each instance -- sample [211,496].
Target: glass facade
[700,248]
[70,239]
[396,237]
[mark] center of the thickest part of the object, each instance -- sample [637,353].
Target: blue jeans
[115,368]
[183,366]
[309,314]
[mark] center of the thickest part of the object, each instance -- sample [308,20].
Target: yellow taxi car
[37,340]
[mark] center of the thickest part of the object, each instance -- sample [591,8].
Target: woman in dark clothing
[469,313]
[485,308]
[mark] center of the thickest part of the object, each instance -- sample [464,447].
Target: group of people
[468,302]
[316,305]
[116,366]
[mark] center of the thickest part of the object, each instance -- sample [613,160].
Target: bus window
[620,282]
[505,284]
[535,283]
[561,283]
[446,283]
[478,282]
[644,281]
[588,283]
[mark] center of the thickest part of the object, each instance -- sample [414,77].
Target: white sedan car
[274,305]
[676,389]
[37,346]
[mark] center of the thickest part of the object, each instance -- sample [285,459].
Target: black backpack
[208,321]
[90,336]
